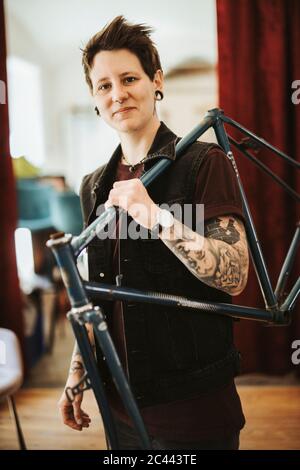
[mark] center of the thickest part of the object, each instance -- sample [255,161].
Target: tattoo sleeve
[219,259]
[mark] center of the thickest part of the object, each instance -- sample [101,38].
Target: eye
[130,79]
[103,87]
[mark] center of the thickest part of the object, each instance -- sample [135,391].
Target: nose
[119,93]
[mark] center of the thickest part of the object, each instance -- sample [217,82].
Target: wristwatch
[164,219]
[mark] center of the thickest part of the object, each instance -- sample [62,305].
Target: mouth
[124,110]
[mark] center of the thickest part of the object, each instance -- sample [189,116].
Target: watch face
[166,219]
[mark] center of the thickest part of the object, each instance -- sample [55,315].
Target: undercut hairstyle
[119,34]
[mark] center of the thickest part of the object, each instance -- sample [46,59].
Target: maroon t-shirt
[217,413]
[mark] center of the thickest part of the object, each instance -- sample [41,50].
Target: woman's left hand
[132,196]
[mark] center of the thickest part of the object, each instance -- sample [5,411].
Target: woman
[180,365]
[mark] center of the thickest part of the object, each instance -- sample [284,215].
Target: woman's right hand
[71,412]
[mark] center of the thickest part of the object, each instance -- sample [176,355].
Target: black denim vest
[172,353]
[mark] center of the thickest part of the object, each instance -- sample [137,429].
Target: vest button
[101,274]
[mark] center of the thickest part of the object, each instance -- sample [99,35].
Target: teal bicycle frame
[66,249]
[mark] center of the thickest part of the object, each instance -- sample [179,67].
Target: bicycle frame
[66,249]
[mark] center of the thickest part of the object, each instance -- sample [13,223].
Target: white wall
[19,40]
[187,98]
[25,111]
[25,98]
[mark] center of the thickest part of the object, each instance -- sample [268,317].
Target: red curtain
[259,59]
[10,299]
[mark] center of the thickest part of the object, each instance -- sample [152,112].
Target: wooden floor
[42,426]
[273,417]
[272,413]
[271,406]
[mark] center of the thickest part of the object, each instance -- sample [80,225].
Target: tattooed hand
[71,412]
[219,259]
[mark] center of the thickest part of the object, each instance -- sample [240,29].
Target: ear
[158,80]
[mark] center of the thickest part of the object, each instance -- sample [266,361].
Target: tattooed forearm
[76,361]
[76,350]
[76,366]
[219,259]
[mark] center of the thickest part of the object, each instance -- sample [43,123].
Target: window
[25,111]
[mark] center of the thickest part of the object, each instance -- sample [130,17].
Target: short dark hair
[119,34]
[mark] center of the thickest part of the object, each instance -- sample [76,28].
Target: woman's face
[119,82]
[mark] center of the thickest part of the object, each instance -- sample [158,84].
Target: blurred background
[241,56]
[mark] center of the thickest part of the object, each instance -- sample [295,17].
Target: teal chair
[66,212]
[34,202]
